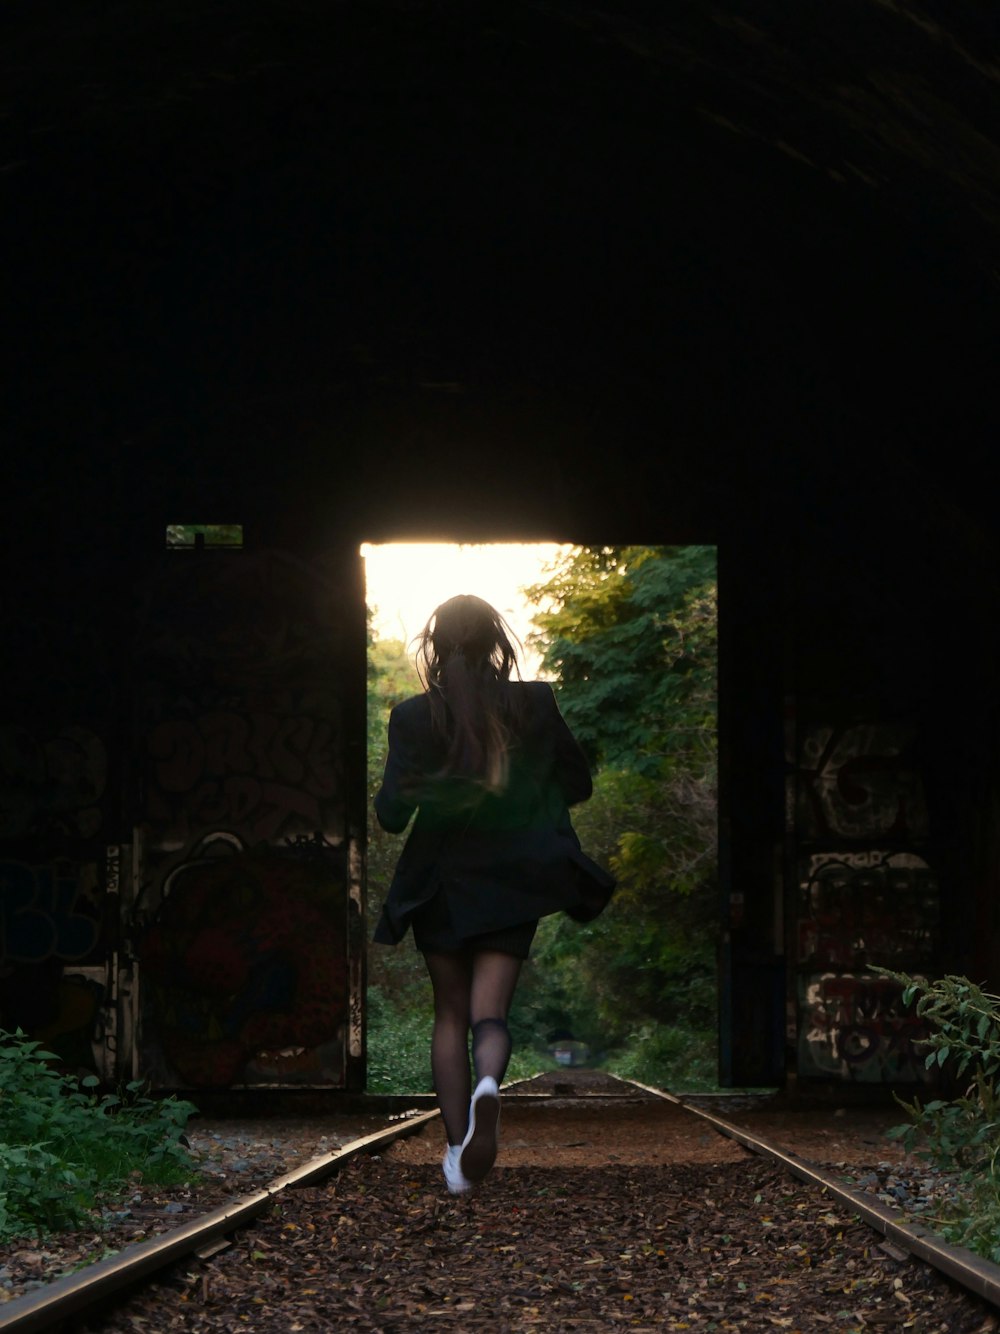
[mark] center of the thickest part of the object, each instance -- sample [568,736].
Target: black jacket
[499,859]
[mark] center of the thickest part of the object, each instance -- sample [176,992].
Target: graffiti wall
[243,914]
[268,775]
[51,782]
[867,895]
[243,967]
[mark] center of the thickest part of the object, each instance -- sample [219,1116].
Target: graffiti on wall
[268,776]
[866,907]
[866,896]
[244,967]
[241,914]
[52,967]
[238,706]
[238,626]
[857,783]
[854,1028]
[51,783]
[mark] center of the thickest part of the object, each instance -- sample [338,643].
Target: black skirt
[434,933]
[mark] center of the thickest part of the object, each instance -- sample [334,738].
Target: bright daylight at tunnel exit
[627,637]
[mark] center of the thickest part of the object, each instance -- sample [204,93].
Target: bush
[528,1061]
[678,1059]
[64,1150]
[960,1134]
[399,1045]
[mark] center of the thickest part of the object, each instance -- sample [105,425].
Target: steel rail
[49,1307]
[969,1270]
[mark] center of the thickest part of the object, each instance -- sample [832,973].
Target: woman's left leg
[494,980]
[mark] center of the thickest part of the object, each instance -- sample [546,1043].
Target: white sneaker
[451,1166]
[479,1148]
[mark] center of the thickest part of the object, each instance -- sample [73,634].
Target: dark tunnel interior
[523,271]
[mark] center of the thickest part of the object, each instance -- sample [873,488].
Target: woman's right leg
[451,978]
[494,977]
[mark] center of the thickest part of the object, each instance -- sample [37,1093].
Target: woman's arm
[396,799]
[570,767]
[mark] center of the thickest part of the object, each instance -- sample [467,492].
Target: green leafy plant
[959,1134]
[399,1044]
[65,1149]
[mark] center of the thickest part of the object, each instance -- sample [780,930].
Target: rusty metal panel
[241,910]
[865,894]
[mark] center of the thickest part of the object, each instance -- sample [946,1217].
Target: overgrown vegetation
[628,637]
[959,1134]
[65,1151]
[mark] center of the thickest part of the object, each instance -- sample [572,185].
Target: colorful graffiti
[51,783]
[268,777]
[853,1028]
[244,968]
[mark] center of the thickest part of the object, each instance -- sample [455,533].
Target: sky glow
[405,581]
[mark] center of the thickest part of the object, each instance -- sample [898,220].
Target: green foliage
[399,1001]
[635,965]
[667,1057]
[526,1062]
[392,677]
[64,1149]
[630,634]
[399,1045]
[211,534]
[960,1134]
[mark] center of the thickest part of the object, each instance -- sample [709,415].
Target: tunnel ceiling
[753,245]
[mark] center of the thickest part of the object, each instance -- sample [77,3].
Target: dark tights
[472,993]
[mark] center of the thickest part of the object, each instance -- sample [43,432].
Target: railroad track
[73,1302]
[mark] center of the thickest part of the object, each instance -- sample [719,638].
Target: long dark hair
[465,656]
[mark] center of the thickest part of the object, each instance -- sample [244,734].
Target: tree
[630,635]
[392,677]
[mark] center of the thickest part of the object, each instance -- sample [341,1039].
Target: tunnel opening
[627,635]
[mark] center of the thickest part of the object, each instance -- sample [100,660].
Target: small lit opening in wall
[198,536]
